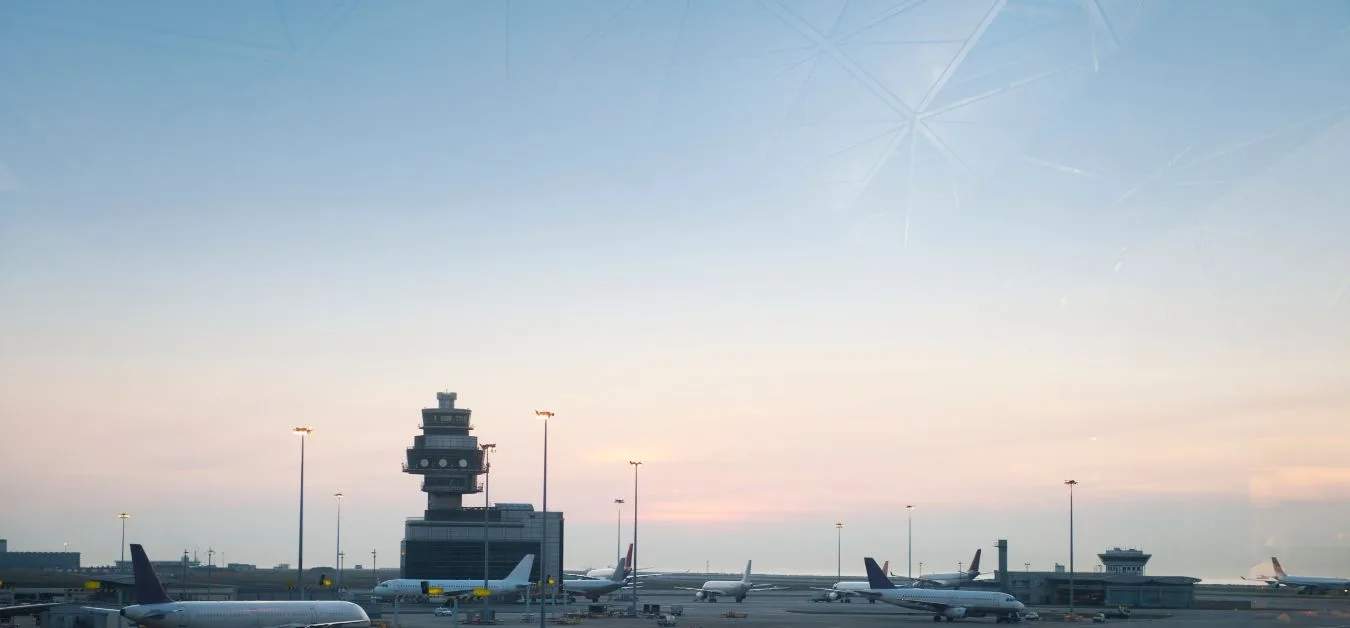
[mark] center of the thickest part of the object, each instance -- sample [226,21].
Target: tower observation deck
[446,456]
[1124,561]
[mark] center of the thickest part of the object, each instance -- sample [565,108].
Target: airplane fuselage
[956,604]
[948,579]
[1313,583]
[246,614]
[407,587]
[712,589]
[843,590]
[592,589]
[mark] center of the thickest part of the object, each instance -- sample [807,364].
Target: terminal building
[1122,582]
[447,541]
[37,560]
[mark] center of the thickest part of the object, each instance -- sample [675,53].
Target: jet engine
[954,613]
[700,596]
[834,596]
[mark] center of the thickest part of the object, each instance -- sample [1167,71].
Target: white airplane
[514,583]
[592,589]
[606,573]
[1305,584]
[842,590]
[155,609]
[737,589]
[947,604]
[948,579]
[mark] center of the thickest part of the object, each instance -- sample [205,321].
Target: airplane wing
[452,593]
[331,624]
[691,589]
[24,609]
[922,606]
[100,609]
[864,593]
[769,588]
[910,604]
[920,582]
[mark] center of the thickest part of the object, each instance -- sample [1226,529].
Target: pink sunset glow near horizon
[804,283]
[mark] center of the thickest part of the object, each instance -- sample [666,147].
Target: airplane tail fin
[628,564]
[149,590]
[886,567]
[1279,571]
[975,564]
[876,578]
[620,571]
[745,577]
[521,574]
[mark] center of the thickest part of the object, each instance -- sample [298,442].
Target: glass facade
[449,559]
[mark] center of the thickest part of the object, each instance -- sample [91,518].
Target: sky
[811,261]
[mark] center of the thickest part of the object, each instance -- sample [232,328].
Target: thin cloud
[1301,484]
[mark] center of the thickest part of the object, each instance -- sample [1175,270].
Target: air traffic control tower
[1124,561]
[448,540]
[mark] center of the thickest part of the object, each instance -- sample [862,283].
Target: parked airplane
[737,589]
[592,588]
[949,579]
[1305,584]
[515,582]
[606,573]
[155,609]
[843,590]
[943,603]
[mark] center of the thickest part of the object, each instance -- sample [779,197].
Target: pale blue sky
[711,234]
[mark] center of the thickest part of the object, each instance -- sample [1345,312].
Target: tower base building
[447,542]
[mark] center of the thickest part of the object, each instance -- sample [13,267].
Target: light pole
[487,506]
[920,569]
[1028,566]
[838,551]
[1071,484]
[374,568]
[909,512]
[210,554]
[543,530]
[636,463]
[618,531]
[302,432]
[337,552]
[123,516]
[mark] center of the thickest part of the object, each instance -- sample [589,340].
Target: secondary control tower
[1124,561]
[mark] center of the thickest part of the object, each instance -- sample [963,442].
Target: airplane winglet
[876,578]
